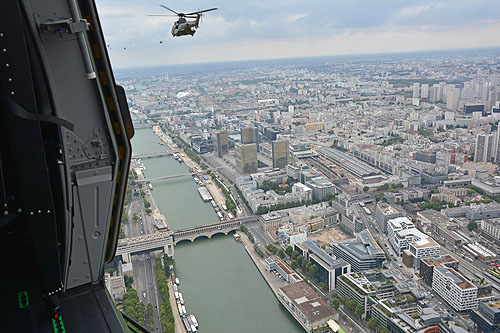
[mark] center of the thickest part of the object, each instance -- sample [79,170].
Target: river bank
[275,282]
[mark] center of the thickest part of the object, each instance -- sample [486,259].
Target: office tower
[442,92]
[434,94]
[250,135]
[496,151]
[281,151]
[484,147]
[479,90]
[416,90]
[452,98]
[221,144]
[424,92]
[291,109]
[246,158]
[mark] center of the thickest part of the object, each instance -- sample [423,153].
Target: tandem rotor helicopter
[182,26]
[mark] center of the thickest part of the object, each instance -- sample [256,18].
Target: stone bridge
[191,234]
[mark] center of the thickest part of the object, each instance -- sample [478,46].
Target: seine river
[219,282]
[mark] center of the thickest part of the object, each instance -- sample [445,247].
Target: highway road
[260,235]
[144,269]
[223,167]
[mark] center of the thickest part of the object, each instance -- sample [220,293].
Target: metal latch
[66,25]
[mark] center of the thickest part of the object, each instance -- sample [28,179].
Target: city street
[144,269]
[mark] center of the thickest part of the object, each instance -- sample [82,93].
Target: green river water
[220,283]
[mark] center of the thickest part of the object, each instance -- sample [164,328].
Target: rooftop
[456,277]
[308,301]
[425,242]
[439,261]
[349,162]
[494,305]
[364,246]
[434,216]
[387,209]
[321,254]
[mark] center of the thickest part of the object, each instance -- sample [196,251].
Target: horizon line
[317,56]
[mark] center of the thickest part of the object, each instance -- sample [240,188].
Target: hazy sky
[243,30]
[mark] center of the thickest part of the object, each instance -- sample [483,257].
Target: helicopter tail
[198,18]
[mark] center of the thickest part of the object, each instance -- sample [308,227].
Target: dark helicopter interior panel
[65,133]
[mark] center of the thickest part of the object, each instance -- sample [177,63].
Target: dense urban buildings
[375,179]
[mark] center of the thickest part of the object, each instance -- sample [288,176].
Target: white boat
[150,186]
[193,319]
[181,299]
[176,295]
[193,328]
[177,281]
[184,309]
[179,307]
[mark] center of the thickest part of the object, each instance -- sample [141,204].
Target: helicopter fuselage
[184,27]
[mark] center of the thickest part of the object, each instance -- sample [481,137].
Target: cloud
[292,28]
[255,24]
[296,17]
[361,41]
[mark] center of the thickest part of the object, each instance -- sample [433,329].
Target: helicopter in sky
[183,26]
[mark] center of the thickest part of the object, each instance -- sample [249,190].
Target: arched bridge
[222,228]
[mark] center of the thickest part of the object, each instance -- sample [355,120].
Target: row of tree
[166,314]
[357,310]
[258,250]
[133,307]
[230,204]
[273,249]
[249,234]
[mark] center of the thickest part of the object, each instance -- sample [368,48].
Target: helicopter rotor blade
[173,11]
[201,11]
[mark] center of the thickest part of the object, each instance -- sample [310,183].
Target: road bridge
[157,241]
[165,240]
[164,177]
[136,126]
[209,230]
[155,154]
